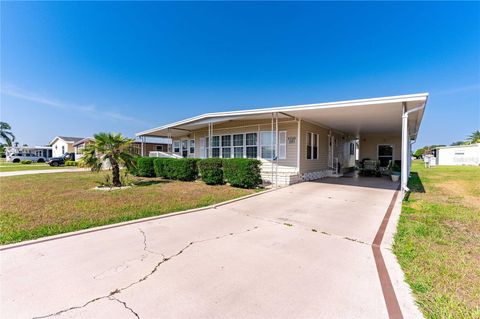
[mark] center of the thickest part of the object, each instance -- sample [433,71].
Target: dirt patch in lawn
[458,191]
[40,205]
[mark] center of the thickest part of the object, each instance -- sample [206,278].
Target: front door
[331,148]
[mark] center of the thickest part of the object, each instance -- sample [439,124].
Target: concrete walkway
[43,171]
[303,251]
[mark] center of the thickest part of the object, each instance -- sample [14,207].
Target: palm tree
[474,137]
[112,148]
[6,134]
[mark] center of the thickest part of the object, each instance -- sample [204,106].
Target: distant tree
[6,133]
[474,137]
[459,143]
[418,153]
[112,148]
[25,145]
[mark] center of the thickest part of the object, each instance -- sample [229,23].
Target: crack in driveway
[125,305]
[119,290]
[290,223]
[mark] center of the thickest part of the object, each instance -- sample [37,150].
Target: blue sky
[79,68]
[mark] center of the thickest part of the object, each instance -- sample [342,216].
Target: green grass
[34,206]
[14,167]
[438,240]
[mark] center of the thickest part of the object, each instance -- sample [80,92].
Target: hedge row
[239,172]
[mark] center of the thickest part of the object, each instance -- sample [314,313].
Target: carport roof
[364,116]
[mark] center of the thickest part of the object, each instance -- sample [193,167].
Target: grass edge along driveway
[438,240]
[34,206]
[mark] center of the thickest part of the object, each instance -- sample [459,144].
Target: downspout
[405,143]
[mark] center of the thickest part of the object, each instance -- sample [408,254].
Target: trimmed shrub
[242,172]
[145,167]
[184,169]
[71,163]
[26,162]
[211,170]
[159,166]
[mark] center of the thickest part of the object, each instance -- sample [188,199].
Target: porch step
[282,178]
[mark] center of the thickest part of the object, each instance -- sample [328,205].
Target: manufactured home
[136,147]
[63,144]
[304,142]
[458,155]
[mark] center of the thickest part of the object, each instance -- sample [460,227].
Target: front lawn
[34,206]
[438,240]
[13,167]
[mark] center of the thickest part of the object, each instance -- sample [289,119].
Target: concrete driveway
[303,251]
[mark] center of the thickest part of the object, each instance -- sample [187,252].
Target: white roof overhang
[355,117]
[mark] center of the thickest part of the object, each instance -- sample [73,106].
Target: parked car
[59,161]
[18,157]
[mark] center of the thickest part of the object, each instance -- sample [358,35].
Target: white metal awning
[355,117]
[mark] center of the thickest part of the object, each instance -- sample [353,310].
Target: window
[159,148]
[192,147]
[267,145]
[176,146]
[385,154]
[268,150]
[251,145]
[352,148]
[63,149]
[215,146]
[312,146]
[226,146]
[238,146]
[231,145]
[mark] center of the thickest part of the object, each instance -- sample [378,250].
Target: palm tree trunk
[115,173]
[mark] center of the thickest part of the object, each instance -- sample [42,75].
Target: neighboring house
[63,144]
[79,145]
[135,147]
[458,155]
[304,142]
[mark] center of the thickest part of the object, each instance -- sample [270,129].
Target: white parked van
[18,157]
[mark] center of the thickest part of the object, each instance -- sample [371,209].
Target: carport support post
[142,142]
[405,141]
[272,150]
